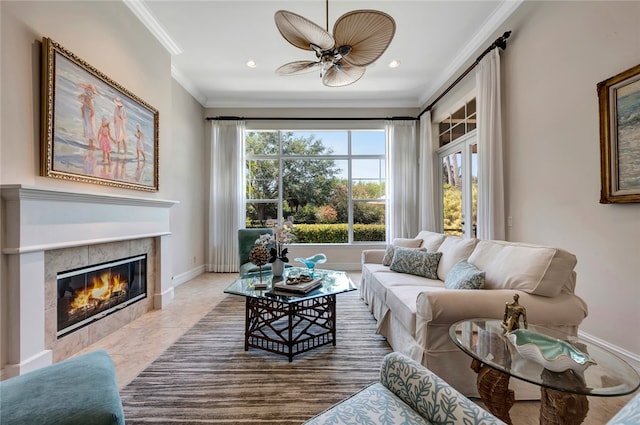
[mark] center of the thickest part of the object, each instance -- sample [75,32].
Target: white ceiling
[433,40]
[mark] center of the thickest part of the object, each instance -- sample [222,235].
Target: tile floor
[137,344]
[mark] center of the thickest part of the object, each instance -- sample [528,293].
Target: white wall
[108,36]
[556,55]
[187,182]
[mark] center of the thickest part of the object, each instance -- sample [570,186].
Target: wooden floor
[137,344]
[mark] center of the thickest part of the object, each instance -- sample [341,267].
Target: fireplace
[87,294]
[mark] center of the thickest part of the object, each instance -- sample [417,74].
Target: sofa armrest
[450,306]
[373,256]
[428,394]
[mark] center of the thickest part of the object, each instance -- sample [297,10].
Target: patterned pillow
[464,276]
[402,242]
[416,261]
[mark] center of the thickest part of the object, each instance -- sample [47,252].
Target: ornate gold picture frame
[619,98]
[93,129]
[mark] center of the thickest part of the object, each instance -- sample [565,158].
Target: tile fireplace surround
[46,231]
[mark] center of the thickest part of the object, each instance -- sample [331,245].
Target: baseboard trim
[40,360]
[187,276]
[629,357]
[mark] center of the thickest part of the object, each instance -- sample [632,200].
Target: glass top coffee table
[564,393]
[290,323]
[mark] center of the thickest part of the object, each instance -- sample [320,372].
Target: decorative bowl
[552,353]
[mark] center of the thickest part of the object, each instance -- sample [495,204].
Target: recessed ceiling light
[394,63]
[251,64]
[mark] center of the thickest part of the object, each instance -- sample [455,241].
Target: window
[458,156]
[330,182]
[458,124]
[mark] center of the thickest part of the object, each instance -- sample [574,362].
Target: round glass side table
[563,394]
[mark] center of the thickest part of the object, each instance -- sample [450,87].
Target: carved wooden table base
[493,387]
[556,407]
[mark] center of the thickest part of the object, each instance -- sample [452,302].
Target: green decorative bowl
[552,353]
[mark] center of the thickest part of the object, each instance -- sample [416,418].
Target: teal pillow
[416,261]
[464,276]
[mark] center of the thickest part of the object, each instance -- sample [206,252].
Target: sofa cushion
[382,278]
[430,240]
[401,300]
[417,262]
[534,269]
[464,276]
[453,250]
[399,242]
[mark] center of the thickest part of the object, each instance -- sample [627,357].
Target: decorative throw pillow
[402,242]
[416,261]
[464,276]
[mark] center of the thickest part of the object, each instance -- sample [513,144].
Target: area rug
[206,377]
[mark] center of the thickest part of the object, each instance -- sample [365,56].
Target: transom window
[458,124]
[331,183]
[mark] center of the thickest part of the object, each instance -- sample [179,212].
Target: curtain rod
[500,42]
[233,118]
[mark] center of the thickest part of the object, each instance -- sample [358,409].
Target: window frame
[463,144]
[349,157]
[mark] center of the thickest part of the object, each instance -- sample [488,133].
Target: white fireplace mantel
[38,219]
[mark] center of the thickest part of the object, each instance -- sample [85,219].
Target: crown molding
[145,16]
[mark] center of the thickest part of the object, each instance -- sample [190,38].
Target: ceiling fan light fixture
[359,38]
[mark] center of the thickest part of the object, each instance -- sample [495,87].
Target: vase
[277,267]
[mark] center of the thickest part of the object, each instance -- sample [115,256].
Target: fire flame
[100,289]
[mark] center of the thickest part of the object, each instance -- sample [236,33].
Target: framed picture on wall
[619,98]
[93,129]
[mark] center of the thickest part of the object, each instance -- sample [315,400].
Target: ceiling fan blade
[342,74]
[298,67]
[368,32]
[301,32]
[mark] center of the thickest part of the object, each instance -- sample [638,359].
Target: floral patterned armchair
[407,393]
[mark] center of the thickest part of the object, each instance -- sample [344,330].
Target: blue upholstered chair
[407,393]
[81,390]
[246,241]
[629,414]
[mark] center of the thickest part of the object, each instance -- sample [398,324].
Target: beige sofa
[414,312]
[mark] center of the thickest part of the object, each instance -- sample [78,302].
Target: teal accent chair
[81,390]
[246,242]
[407,393]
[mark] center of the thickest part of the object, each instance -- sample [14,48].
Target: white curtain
[402,169]
[226,200]
[427,193]
[491,223]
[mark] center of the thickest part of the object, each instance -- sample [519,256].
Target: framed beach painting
[619,99]
[93,129]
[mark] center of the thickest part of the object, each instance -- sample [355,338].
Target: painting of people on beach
[94,130]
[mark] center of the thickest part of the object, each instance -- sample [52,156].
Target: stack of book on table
[300,284]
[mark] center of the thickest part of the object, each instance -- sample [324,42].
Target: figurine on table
[512,313]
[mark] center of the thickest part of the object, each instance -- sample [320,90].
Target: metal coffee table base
[290,328]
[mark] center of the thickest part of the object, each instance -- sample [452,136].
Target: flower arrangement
[283,235]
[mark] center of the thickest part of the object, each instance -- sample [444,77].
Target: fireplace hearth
[88,294]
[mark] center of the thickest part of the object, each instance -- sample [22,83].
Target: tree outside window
[305,176]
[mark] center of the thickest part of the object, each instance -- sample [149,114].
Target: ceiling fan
[359,38]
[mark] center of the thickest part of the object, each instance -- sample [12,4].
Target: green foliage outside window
[313,193]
